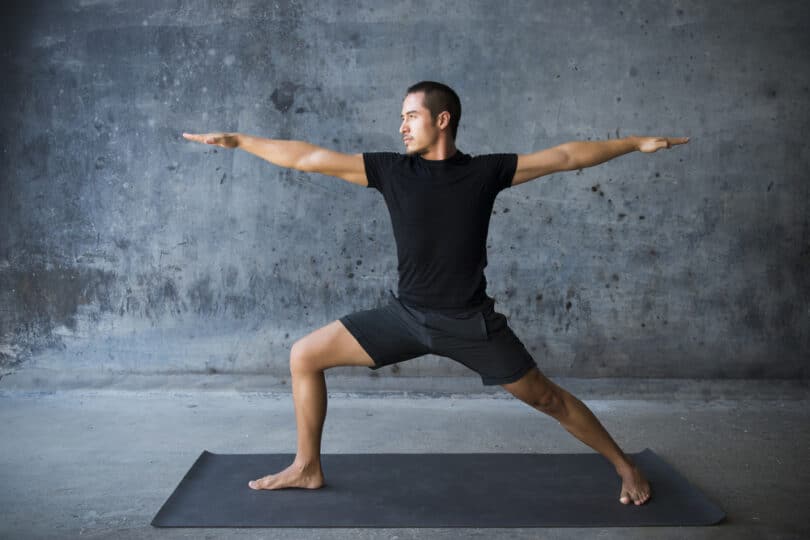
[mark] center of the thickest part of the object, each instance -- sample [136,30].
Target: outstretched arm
[576,155]
[299,155]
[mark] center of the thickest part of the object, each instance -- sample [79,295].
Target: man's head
[430,110]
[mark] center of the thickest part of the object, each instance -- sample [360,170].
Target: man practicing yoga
[440,201]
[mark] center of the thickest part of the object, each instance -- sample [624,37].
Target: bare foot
[635,487]
[294,476]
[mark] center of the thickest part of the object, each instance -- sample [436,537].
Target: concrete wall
[128,250]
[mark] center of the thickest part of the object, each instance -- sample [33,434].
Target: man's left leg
[545,396]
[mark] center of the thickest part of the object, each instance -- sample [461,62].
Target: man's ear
[443,120]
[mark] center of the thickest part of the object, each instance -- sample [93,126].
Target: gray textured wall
[126,249]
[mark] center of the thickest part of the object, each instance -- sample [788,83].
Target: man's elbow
[566,160]
[310,162]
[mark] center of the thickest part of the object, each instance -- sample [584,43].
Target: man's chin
[414,151]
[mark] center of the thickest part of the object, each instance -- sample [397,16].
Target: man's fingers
[669,142]
[652,144]
[217,139]
[196,137]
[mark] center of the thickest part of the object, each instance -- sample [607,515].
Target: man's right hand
[225,140]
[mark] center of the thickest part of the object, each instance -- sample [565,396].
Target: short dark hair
[440,97]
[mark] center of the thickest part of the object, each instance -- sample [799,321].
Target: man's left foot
[635,487]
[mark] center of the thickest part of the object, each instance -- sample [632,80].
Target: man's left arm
[577,155]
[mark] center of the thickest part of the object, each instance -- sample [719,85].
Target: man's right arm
[299,155]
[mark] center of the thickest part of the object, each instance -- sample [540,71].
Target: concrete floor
[84,463]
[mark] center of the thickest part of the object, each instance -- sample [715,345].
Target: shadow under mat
[433,490]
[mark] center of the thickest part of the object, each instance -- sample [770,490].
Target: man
[440,201]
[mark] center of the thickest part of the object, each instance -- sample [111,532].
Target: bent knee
[541,394]
[301,357]
[548,400]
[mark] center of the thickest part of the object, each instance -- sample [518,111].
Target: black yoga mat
[433,490]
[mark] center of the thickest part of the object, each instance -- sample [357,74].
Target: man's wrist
[634,142]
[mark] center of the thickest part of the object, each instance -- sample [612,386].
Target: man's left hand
[651,144]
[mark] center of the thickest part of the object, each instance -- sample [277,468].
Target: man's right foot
[294,476]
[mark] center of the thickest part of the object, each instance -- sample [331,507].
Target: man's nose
[402,127]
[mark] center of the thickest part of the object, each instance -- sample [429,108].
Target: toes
[261,483]
[641,498]
[636,498]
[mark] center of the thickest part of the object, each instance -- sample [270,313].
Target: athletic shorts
[480,339]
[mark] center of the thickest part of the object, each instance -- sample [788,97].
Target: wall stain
[283,97]
[43,299]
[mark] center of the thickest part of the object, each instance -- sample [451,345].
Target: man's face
[418,130]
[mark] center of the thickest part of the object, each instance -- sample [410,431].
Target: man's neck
[442,150]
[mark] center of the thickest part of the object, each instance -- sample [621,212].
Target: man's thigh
[330,346]
[387,334]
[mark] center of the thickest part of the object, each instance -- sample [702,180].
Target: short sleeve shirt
[440,212]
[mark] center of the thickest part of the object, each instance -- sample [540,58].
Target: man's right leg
[329,346]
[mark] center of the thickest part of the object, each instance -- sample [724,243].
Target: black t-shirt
[440,213]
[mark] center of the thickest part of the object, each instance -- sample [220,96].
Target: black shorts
[479,339]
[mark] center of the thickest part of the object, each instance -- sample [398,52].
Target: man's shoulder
[494,161]
[384,155]
[493,155]
[385,159]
